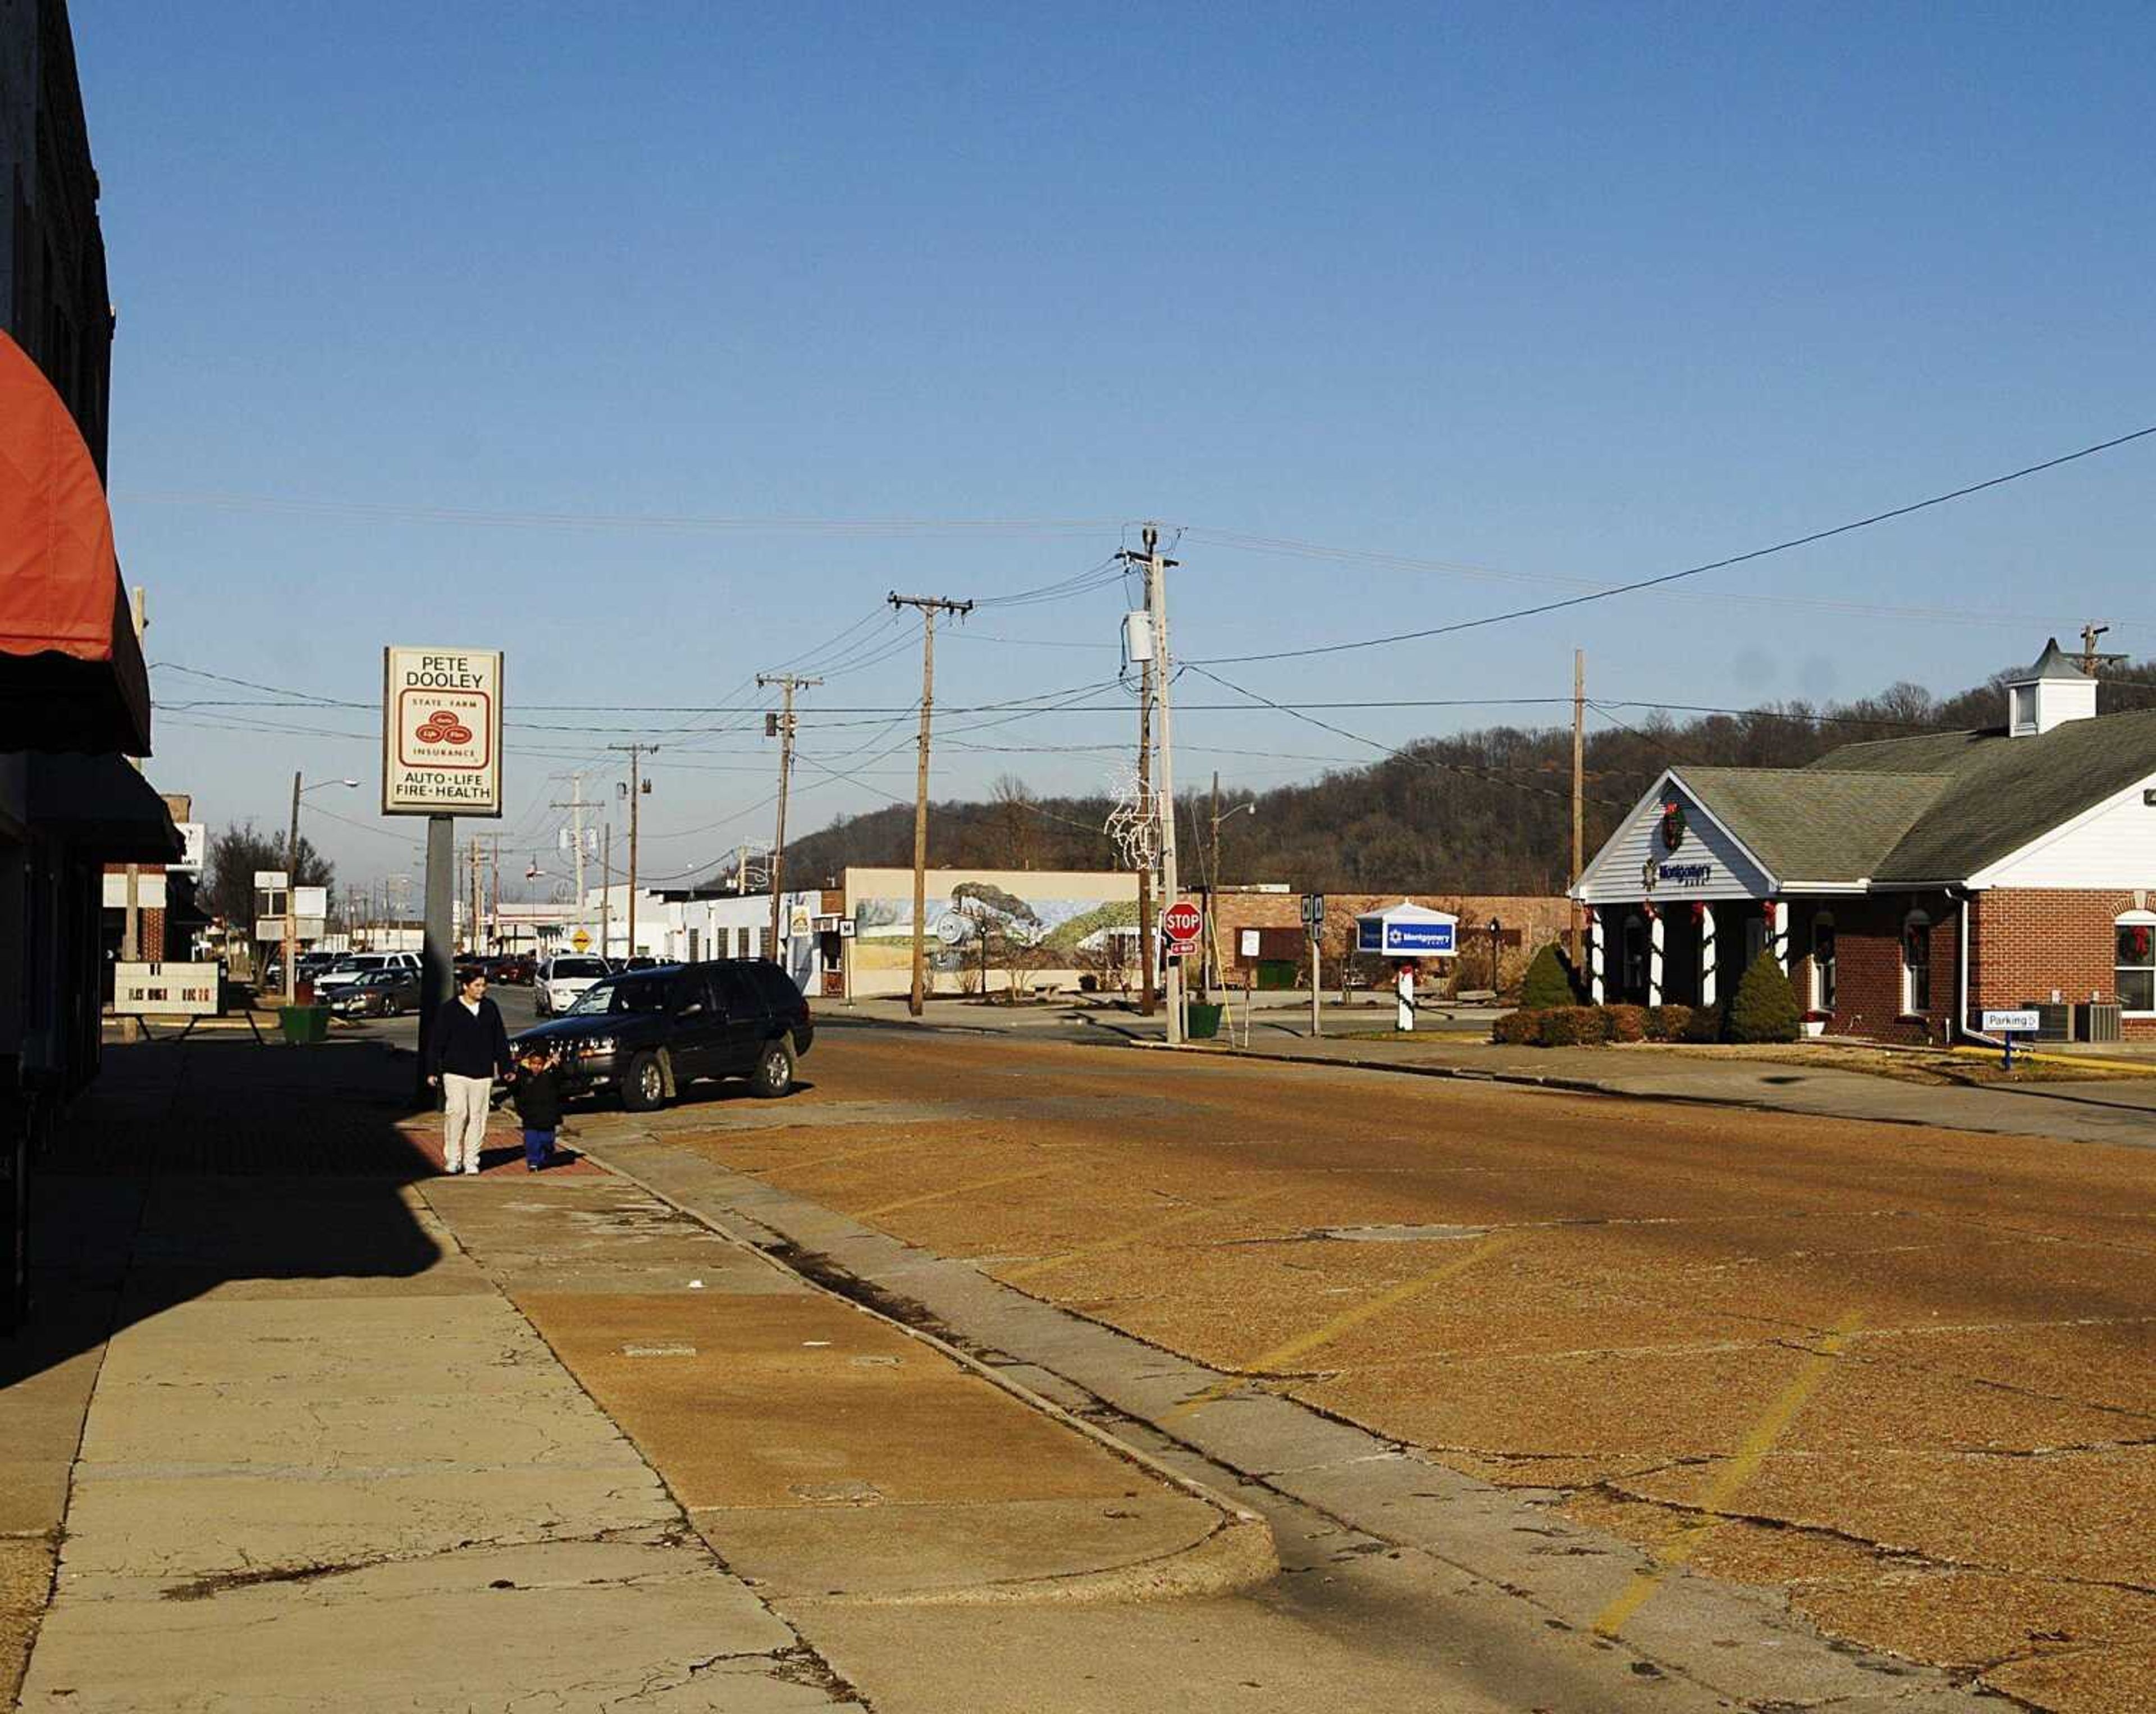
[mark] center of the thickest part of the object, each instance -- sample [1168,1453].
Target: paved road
[1902,1375]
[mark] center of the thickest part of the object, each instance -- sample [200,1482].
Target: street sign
[2011,1023]
[1313,911]
[1181,925]
[441,732]
[581,940]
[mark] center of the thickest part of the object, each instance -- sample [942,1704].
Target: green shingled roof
[1808,824]
[2000,792]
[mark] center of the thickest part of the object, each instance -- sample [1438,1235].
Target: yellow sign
[581,941]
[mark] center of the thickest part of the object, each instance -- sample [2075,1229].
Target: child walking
[537,1092]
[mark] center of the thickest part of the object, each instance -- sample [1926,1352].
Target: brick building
[1525,922]
[1906,885]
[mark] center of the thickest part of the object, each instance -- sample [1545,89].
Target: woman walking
[468,1049]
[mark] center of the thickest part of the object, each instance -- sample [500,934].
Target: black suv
[651,1033]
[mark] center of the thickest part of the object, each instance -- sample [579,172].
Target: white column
[1404,987]
[1778,932]
[1655,960]
[1707,954]
[1594,988]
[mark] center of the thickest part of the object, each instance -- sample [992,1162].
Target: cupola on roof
[2050,691]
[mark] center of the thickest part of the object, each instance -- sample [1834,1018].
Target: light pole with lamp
[1213,969]
[292,886]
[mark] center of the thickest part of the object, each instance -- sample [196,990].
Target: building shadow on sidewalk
[220,1165]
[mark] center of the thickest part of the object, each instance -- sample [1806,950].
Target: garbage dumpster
[1203,1021]
[303,1025]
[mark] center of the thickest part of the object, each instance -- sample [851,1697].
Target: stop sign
[1182,923]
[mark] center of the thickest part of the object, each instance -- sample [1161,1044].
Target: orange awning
[71,670]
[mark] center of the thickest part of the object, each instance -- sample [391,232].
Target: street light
[1212,958]
[292,886]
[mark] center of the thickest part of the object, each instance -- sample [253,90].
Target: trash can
[1203,1021]
[305,1025]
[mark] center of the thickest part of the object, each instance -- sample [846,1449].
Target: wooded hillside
[1483,812]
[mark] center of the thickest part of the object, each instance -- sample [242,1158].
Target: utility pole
[1155,567]
[2094,660]
[1578,789]
[575,806]
[1215,968]
[929,607]
[494,895]
[1147,993]
[606,887]
[638,787]
[781,726]
[472,923]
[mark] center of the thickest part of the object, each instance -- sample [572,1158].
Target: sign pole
[434,961]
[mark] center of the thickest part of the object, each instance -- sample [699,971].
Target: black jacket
[466,1045]
[538,1097]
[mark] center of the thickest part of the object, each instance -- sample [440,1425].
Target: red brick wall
[1868,990]
[1540,919]
[2028,941]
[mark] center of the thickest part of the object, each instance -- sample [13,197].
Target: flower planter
[1814,1026]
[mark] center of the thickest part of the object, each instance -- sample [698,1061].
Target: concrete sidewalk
[379,1438]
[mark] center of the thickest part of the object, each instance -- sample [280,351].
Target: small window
[2024,707]
[2135,961]
[1823,970]
[1917,963]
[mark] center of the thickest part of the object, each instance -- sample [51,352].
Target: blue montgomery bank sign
[1394,939]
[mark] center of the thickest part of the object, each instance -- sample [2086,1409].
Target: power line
[1404,752]
[1671,577]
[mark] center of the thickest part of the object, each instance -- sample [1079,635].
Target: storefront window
[1823,961]
[2135,961]
[1917,963]
[1633,969]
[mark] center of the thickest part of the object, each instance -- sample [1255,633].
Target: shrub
[1517,1029]
[1625,1023]
[1765,1007]
[1574,1027]
[1702,1024]
[1549,983]
[1666,1023]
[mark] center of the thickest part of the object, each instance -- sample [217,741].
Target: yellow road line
[1304,1343]
[956,1190]
[1744,1464]
[1136,1234]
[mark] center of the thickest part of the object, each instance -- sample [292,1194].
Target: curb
[1238,1554]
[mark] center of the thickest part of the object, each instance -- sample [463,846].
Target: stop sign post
[1180,925]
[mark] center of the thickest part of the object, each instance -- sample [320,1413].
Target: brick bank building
[1905,885]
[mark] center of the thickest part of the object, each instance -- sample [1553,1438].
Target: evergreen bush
[1626,1023]
[1517,1029]
[1666,1023]
[1702,1024]
[1548,982]
[1574,1027]
[1765,1008]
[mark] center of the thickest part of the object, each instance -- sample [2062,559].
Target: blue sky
[1532,293]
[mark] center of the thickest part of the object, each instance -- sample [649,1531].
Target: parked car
[562,978]
[514,968]
[649,1034]
[386,993]
[352,966]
